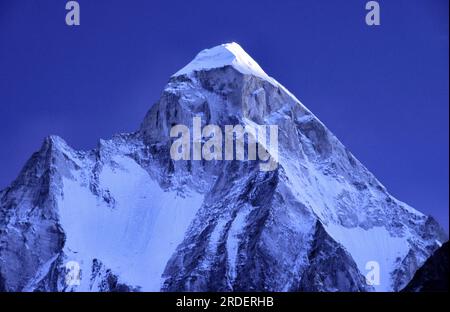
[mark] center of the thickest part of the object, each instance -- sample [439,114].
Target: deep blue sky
[383,91]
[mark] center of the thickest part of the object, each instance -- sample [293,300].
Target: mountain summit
[229,54]
[125,216]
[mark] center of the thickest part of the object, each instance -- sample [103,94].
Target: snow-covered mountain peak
[228,54]
[55,141]
[129,217]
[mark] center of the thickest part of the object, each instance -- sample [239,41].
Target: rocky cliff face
[434,274]
[127,217]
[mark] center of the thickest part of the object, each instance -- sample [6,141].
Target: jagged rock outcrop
[433,276]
